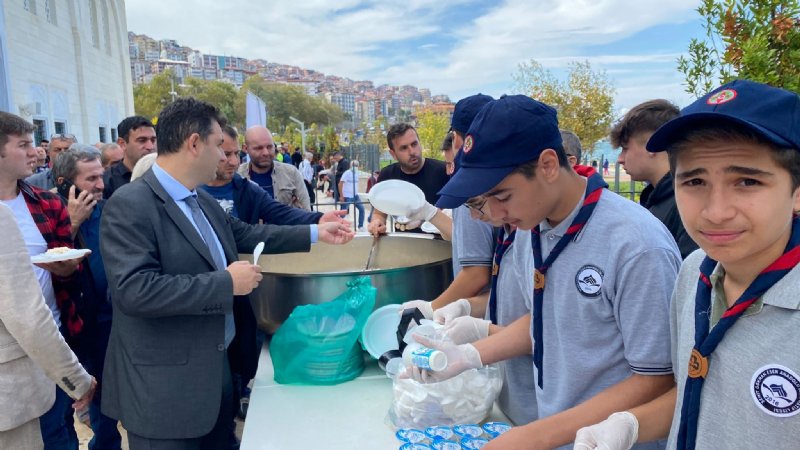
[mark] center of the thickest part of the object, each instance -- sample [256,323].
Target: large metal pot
[405,266]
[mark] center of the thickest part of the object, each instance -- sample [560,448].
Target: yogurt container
[468,431]
[473,443]
[414,446]
[444,444]
[494,429]
[411,436]
[439,432]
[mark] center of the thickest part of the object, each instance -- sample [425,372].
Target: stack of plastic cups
[459,437]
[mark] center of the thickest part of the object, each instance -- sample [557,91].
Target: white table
[347,416]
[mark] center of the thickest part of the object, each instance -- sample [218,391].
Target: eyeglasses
[477,204]
[61,137]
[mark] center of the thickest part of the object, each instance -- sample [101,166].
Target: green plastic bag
[318,344]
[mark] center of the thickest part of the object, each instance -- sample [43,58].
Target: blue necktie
[208,235]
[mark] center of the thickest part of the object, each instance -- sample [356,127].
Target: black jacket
[660,200]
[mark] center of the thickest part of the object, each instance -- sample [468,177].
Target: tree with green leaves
[584,101]
[432,128]
[150,98]
[754,39]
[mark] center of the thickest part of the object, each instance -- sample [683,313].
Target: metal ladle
[371,252]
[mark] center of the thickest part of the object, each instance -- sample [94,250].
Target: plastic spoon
[257,252]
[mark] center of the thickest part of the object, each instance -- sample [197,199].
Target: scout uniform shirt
[605,312]
[751,394]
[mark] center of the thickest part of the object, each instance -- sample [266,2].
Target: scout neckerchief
[705,343]
[594,187]
[500,247]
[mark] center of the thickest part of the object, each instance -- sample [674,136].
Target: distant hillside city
[361,100]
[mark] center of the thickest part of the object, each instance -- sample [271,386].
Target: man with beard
[427,174]
[137,137]
[244,199]
[79,178]
[281,181]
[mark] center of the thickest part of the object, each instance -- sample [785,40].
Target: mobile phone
[63,189]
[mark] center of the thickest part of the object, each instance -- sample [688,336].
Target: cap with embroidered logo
[771,112]
[505,134]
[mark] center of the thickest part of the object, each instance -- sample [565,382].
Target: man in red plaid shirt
[44,222]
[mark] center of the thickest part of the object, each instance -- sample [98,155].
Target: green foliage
[432,128]
[218,93]
[585,101]
[754,39]
[376,132]
[283,101]
[331,139]
[150,98]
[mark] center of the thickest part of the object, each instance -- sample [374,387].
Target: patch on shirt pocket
[776,390]
[589,280]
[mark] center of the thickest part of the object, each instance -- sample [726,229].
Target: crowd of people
[158,332]
[675,331]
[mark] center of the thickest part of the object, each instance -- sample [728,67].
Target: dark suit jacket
[163,371]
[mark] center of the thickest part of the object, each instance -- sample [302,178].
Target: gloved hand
[619,432]
[458,308]
[424,306]
[423,213]
[466,329]
[460,358]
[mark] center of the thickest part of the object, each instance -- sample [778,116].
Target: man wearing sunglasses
[58,144]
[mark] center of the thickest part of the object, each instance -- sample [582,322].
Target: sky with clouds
[453,47]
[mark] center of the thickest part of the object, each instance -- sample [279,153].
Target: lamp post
[302,132]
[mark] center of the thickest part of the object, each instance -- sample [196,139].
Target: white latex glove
[619,432]
[422,305]
[458,308]
[460,358]
[423,213]
[466,329]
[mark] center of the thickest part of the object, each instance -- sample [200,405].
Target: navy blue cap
[506,134]
[771,112]
[465,111]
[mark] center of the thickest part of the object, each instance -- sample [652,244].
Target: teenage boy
[736,158]
[631,134]
[599,324]
[472,238]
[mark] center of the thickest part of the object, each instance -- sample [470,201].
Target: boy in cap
[472,239]
[735,154]
[599,322]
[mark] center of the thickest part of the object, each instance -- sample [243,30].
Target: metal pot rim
[354,272]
